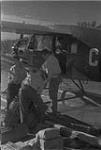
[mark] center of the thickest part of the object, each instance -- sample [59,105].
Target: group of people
[28,85]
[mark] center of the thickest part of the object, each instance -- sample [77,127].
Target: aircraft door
[61,50]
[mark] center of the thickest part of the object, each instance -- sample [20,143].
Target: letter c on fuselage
[92,52]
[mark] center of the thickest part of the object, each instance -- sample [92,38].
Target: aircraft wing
[22,28]
[90,36]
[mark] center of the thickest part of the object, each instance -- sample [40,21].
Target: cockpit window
[22,43]
[43,41]
[62,43]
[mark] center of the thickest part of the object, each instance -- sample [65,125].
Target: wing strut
[84,95]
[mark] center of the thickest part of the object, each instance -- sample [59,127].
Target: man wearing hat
[52,67]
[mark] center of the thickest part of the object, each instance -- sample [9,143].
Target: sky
[51,12]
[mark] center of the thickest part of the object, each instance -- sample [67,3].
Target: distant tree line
[87,24]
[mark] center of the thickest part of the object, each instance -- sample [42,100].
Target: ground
[73,107]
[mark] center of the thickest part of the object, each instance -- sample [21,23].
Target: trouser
[53,91]
[12,91]
[30,99]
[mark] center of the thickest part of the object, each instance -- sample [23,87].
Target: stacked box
[51,144]
[50,139]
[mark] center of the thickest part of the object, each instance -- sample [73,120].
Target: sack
[52,144]
[49,133]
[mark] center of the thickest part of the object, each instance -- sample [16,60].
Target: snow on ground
[73,107]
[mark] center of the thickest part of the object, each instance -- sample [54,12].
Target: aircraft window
[62,43]
[22,43]
[43,41]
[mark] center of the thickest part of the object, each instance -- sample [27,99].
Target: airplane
[64,40]
[78,50]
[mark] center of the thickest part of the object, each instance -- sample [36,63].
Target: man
[17,74]
[29,94]
[51,65]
